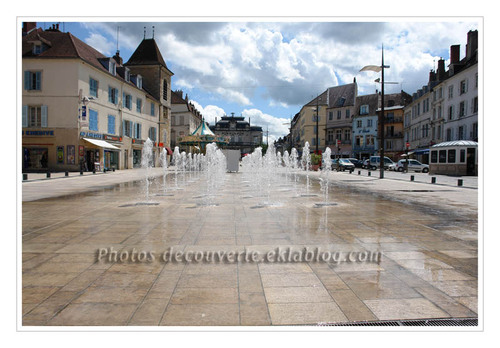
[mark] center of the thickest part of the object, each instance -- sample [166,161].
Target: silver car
[413,165]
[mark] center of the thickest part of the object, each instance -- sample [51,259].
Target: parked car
[412,165]
[357,163]
[375,163]
[342,164]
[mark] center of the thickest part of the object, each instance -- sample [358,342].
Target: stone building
[82,110]
[243,136]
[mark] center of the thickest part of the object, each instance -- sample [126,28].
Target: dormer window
[37,49]
[127,74]
[112,67]
[139,81]
[363,110]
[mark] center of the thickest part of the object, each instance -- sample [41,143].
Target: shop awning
[101,143]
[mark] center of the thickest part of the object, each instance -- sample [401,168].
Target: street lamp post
[317,124]
[381,117]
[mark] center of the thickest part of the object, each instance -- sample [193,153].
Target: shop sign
[91,135]
[60,154]
[112,137]
[39,133]
[137,141]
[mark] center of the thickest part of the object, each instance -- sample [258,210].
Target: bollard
[66,173]
[369,173]
[81,172]
[48,174]
[433,180]
[412,178]
[359,172]
[460,182]
[93,172]
[25,176]
[113,170]
[104,170]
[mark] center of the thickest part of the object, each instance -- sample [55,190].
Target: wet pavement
[425,265]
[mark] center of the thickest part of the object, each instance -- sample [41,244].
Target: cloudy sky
[267,70]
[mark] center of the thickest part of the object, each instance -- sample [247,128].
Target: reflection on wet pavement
[428,267]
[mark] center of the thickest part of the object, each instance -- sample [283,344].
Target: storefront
[98,154]
[51,150]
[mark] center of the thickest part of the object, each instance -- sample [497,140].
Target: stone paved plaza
[428,267]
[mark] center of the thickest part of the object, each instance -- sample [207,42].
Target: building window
[33,80]
[127,101]
[463,87]
[450,113]
[363,110]
[93,120]
[93,87]
[451,156]
[127,75]
[330,115]
[111,124]
[461,133]
[369,123]
[112,68]
[137,130]
[338,134]
[347,135]
[152,133]
[434,156]
[139,81]
[113,95]
[138,105]
[474,105]
[127,128]
[152,109]
[35,116]
[329,136]
[359,123]
[339,114]
[442,156]
[165,90]
[463,108]
[347,113]
[450,92]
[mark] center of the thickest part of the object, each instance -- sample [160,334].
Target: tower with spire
[148,62]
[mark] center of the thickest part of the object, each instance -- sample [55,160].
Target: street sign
[407,145]
[338,143]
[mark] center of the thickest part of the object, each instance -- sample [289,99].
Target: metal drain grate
[416,322]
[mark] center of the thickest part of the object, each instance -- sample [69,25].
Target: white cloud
[100,43]
[277,126]
[209,112]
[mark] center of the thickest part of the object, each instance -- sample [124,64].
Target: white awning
[101,143]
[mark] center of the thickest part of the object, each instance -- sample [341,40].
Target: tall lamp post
[317,124]
[381,117]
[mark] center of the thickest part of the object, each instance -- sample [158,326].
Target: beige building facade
[82,110]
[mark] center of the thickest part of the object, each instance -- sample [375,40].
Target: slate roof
[147,53]
[341,96]
[371,100]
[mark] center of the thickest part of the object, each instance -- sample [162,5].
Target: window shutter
[465,108]
[123,128]
[27,80]
[139,131]
[38,80]
[25,115]
[133,130]
[44,115]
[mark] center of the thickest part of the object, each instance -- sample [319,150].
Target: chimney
[28,26]
[432,76]
[440,70]
[117,58]
[454,54]
[471,47]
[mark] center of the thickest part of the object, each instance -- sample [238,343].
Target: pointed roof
[203,129]
[147,53]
